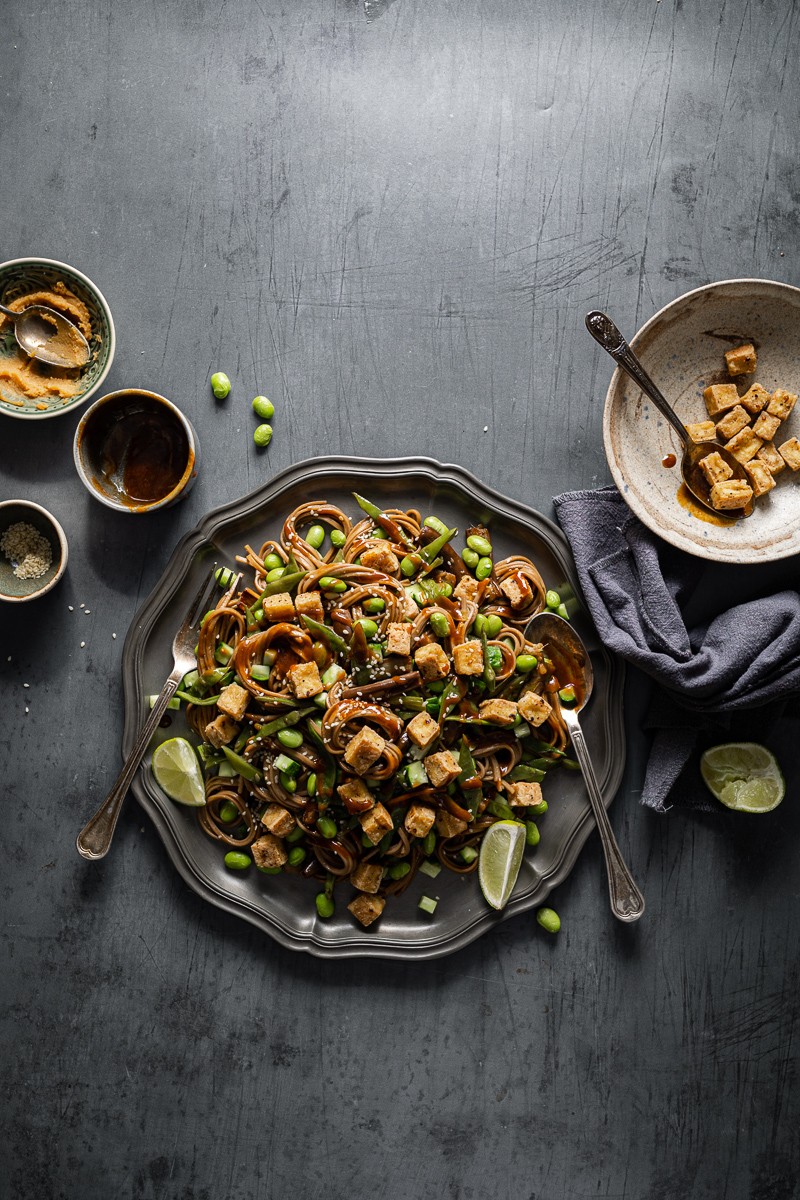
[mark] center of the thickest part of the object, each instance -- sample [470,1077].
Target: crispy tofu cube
[304,680]
[367,877]
[279,607]
[419,820]
[715,468]
[432,662]
[524,793]
[447,825]
[781,404]
[441,768]
[741,360]
[422,730]
[760,477]
[790,453]
[398,640]
[745,445]
[268,851]
[356,796]
[309,604]
[701,431]
[233,700]
[366,909]
[221,731]
[376,823]
[499,712]
[380,558]
[720,397]
[755,399]
[733,493]
[766,426]
[364,750]
[467,589]
[534,709]
[771,459]
[516,591]
[735,419]
[277,820]
[468,658]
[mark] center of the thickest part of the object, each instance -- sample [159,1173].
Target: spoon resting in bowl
[47,336]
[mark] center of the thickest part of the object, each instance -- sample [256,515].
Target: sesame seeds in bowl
[33,551]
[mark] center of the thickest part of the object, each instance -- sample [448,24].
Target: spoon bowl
[48,336]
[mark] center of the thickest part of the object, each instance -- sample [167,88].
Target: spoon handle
[606,334]
[627,902]
[9,312]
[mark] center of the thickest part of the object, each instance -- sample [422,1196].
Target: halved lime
[177,771]
[500,860]
[743,776]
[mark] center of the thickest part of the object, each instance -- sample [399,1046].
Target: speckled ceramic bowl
[14,590]
[22,275]
[682,348]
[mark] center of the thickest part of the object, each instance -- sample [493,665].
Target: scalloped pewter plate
[283,906]
[682,348]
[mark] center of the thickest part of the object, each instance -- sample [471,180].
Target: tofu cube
[771,459]
[755,399]
[720,397]
[419,820]
[422,729]
[364,750]
[702,431]
[733,493]
[741,360]
[366,909]
[447,825]
[398,640]
[760,477]
[380,558]
[516,591]
[745,445]
[534,709]
[781,404]
[304,680]
[499,712]
[233,700]
[277,820]
[432,662]
[268,851]
[766,426]
[790,453]
[468,658]
[221,731]
[715,469]
[279,607]
[356,796]
[734,420]
[524,794]
[441,768]
[309,604]
[367,877]
[467,589]
[376,823]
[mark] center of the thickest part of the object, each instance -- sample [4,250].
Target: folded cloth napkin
[724,648]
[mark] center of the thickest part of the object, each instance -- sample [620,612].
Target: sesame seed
[82,606]
[113,635]
[70,607]
[87,611]
[26,685]
[27,709]
[83,644]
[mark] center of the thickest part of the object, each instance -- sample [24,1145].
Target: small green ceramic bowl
[13,589]
[21,276]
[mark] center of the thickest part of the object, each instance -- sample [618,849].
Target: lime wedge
[177,771]
[500,860]
[743,776]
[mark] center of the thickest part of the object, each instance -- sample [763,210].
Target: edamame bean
[288,782]
[484,568]
[220,384]
[263,435]
[435,523]
[408,566]
[480,545]
[263,408]
[567,695]
[329,584]
[470,558]
[273,560]
[495,657]
[440,624]
[228,812]
[275,573]
[399,870]
[236,861]
[562,611]
[327,827]
[538,810]
[429,844]
[526,663]
[552,599]
[532,834]
[493,625]
[291,738]
[311,784]
[296,856]
[325,906]
[338,538]
[374,605]
[269,870]
[479,624]
[549,919]
[315,536]
[369,626]
[224,576]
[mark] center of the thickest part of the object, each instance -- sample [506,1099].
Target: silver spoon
[606,334]
[48,337]
[572,665]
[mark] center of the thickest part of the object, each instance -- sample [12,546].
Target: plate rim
[364,944]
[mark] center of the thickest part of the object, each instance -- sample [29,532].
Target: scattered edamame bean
[484,568]
[493,625]
[327,827]
[263,408]
[325,905]
[440,624]
[291,738]
[296,855]
[470,557]
[480,545]
[552,599]
[532,834]
[224,576]
[236,861]
[338,538]
[220,385]
[315,536]
[526,663]
[263,435]
[373,605]
[549,919]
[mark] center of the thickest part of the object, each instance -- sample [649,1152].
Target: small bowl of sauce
[135,451]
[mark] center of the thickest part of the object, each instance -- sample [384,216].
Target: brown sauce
[139,448]
[687,501]
[668,460]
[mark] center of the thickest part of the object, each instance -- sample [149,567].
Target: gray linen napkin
[723,646]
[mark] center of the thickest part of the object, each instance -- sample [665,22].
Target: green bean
[532,834]
[296,856]
[325,906]
[236,861]
[493,625]
[315,536]
[552,599]
[484,568]
[275,573]
[220,385]
[262,435]
[374,605]
[562,611]
[263,408]
[526,663]
[284,584]
[399,870]
[325,631]
[338,538]
[291,738]
[470,558]
[439,624]
[549,919]
[328,827]
[430,551]
[480,545]
[272,561]
[367,506]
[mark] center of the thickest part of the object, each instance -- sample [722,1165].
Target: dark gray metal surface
[390,218]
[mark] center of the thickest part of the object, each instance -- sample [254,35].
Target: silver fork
[94,840]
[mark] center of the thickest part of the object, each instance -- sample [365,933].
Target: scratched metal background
[390,218]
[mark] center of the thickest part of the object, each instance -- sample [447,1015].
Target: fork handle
[94,840]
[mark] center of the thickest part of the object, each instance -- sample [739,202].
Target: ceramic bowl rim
[63,546]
